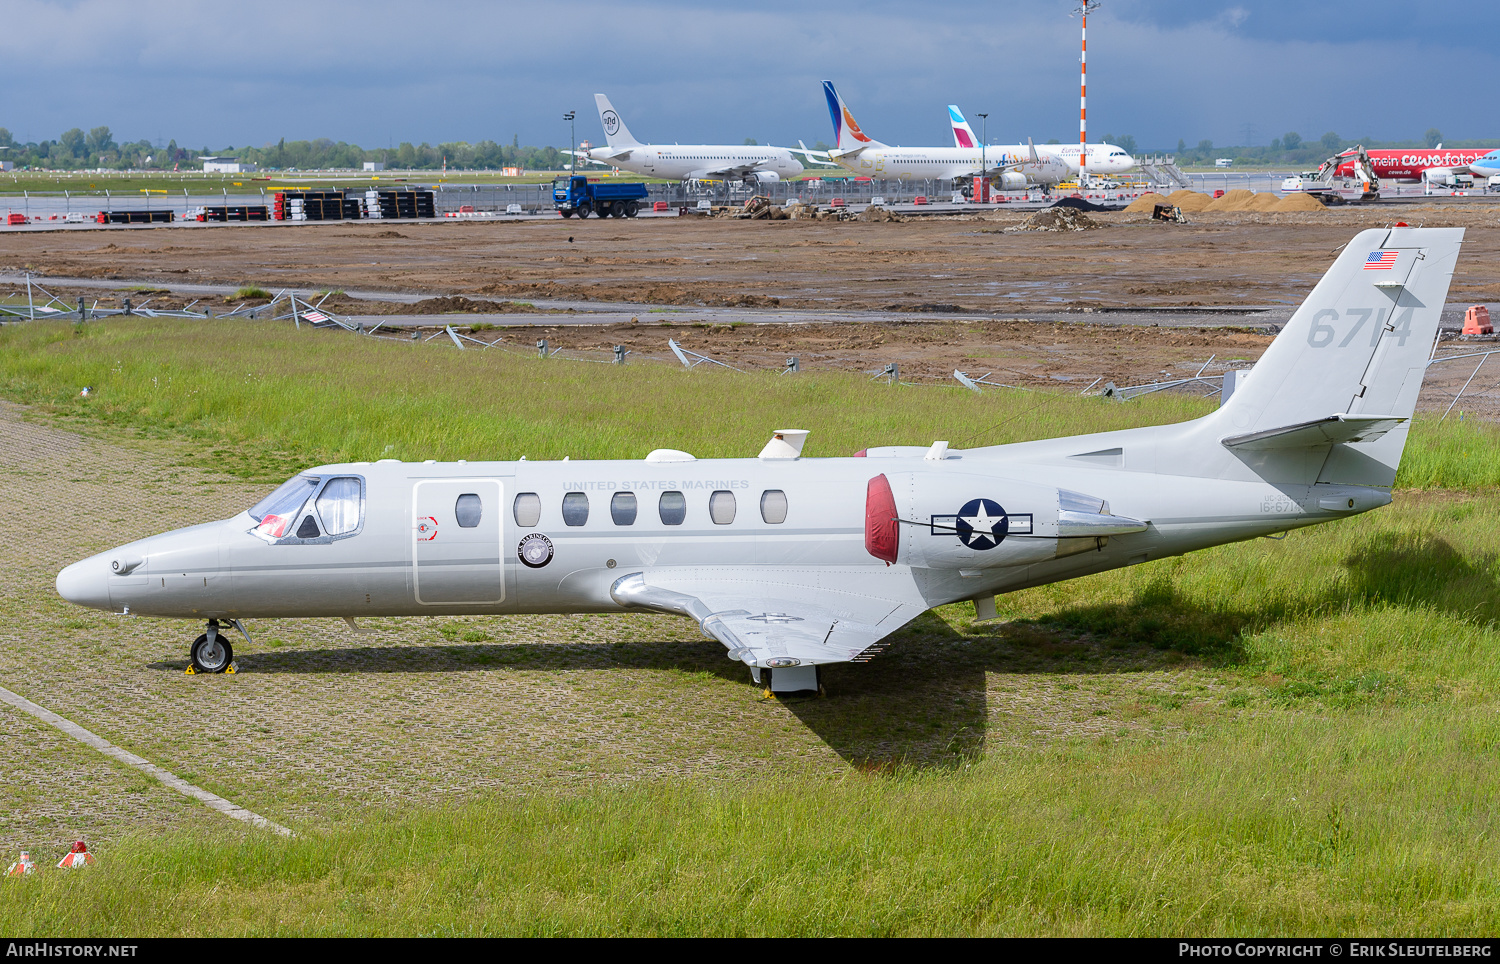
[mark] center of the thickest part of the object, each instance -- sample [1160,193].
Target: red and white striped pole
[1083,88]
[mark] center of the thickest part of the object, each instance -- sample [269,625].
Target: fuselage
[1486,166]
[1101,158]
[1410,164]
[400,539]
[946,163]
[700,161]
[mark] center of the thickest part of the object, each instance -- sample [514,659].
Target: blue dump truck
[578,195]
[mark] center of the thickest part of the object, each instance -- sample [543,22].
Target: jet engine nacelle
[1449,176]
[763,177]
[949,520]
[1011,181]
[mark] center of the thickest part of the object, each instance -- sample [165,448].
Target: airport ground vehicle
[1347,177]
[578,195]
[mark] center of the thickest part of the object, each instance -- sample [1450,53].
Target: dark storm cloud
[378,72]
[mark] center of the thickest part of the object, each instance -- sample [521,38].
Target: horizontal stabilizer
[1324,431]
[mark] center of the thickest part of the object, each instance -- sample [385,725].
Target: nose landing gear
[211,652]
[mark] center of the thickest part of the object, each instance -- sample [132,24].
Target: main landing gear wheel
[211,656]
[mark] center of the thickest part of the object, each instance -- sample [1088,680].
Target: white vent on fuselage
[670,455]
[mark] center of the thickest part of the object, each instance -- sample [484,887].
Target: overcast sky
[377,72]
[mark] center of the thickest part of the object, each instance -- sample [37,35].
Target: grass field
[1276,737]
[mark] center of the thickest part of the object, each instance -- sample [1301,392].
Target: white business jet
[793,563]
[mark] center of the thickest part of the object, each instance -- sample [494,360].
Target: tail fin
[963,134]
[615,131]
[1354,352]
[846,133]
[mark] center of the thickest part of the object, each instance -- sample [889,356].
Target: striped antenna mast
[1083,85]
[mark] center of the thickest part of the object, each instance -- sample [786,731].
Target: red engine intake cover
[882,531]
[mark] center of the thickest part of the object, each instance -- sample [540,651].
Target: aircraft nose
[86,583]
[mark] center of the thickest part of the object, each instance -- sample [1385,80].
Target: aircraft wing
[730,172]
[815,157]
[620,155]
[760,618]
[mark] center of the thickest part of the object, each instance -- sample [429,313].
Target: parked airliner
[792,562]
[1102,158]
[1013,168]
[688,162]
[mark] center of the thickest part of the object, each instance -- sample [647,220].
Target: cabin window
[575,508]
[339,506]
[276,512]
[773,506]
[528,509]
[468,510]
[673,508]
[721,507]
[622,508]
[308,529]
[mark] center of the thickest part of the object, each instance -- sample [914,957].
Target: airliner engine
[1011,181]
[763,177]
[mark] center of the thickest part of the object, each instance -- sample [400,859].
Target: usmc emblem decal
[535,551]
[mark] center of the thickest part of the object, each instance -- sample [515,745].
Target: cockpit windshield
[279,509]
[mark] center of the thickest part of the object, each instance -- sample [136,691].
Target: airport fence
[453,199]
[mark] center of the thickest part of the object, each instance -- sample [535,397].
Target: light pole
[572,156]
[984,171]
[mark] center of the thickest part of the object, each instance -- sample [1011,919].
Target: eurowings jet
[1102,158]
[794,563]
[1014,168]
[688,162]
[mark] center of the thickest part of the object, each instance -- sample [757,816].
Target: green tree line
[74,150]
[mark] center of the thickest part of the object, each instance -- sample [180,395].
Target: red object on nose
[882,532]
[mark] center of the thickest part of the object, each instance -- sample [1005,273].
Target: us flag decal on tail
[1380,261]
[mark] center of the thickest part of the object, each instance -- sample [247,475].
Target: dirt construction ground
[973,293]
[320,723]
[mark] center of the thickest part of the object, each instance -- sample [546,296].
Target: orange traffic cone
[79,856]
[22,867]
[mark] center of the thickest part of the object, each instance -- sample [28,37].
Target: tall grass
[270,399]
[267,400]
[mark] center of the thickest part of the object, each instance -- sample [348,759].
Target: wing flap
[769,623]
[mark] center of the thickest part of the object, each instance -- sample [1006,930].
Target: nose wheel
[211,652]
